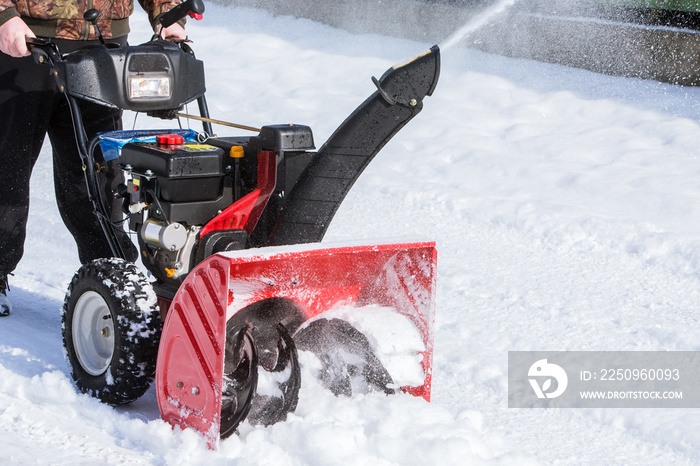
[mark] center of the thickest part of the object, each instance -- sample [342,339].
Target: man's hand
[173,33]
[13,37]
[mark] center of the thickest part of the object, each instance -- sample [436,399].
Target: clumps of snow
[138,329]
[142,369]
[184,411]
[147,304]
[268,382]
[109,379]
[328,429]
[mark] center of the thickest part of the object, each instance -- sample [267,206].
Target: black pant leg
[25,106]
[29,107]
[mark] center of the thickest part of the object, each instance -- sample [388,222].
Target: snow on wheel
[111,329]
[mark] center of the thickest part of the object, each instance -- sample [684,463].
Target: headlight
[143,87]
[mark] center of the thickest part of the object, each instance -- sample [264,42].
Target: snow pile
[566,207]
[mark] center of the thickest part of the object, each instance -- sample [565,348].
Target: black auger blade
[240,380]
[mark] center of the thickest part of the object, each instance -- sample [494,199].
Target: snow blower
[229,230]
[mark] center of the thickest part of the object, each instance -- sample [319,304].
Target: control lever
[91,16]
[192,8]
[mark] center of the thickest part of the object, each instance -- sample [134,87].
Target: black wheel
[111,330]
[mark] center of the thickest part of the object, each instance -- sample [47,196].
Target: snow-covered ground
[566,208]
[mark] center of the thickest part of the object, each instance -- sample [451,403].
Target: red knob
[169,139]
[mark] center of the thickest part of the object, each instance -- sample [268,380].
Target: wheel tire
[111,330]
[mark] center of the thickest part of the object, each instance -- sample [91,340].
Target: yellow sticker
[198,148]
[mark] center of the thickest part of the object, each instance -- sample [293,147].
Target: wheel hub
[93,333]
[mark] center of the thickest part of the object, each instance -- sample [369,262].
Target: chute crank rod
[218,122]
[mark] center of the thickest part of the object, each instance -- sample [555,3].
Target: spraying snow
[476,23]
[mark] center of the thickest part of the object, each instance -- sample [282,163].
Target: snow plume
[476,23]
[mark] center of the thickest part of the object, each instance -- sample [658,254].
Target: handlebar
[191,8]
[117,75]
[44,50]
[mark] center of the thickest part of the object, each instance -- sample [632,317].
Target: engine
[176,185]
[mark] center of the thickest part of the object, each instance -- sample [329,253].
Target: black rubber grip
[180,11]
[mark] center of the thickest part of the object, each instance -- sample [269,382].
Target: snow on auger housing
[225,226]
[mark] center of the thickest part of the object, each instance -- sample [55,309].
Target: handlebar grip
[43,50]
[193,8]
[32,41]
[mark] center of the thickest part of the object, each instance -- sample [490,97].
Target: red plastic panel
[189,372]
[234,216]
[245,213]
